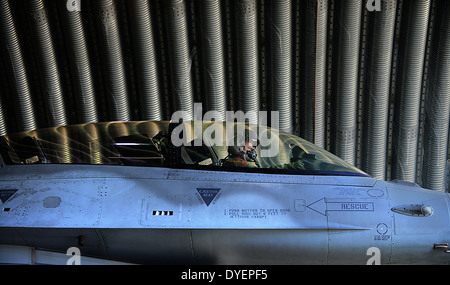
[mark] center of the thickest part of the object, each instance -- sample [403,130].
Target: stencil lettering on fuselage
[208,194]
[5,194]
[323,206]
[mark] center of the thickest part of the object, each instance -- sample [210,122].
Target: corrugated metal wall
[373,87]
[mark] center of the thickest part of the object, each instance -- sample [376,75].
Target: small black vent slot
[162,213]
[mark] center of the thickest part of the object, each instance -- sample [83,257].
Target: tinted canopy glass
[191,144]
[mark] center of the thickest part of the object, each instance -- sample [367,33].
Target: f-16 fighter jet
[206,193]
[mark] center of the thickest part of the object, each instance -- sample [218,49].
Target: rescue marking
[5,194]
[349,206]
[322,206]
[208,194]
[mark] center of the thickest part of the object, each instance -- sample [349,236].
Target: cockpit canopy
[226,146]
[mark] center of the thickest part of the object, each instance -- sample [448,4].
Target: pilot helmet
[297,152]
[234,151]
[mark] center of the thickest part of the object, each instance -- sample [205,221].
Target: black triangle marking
[5,194]
[208,194]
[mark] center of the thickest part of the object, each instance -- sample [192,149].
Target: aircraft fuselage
[155,215]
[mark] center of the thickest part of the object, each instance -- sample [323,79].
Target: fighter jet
[205,193]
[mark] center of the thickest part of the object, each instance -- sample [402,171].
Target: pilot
[244,156]
[160,141]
